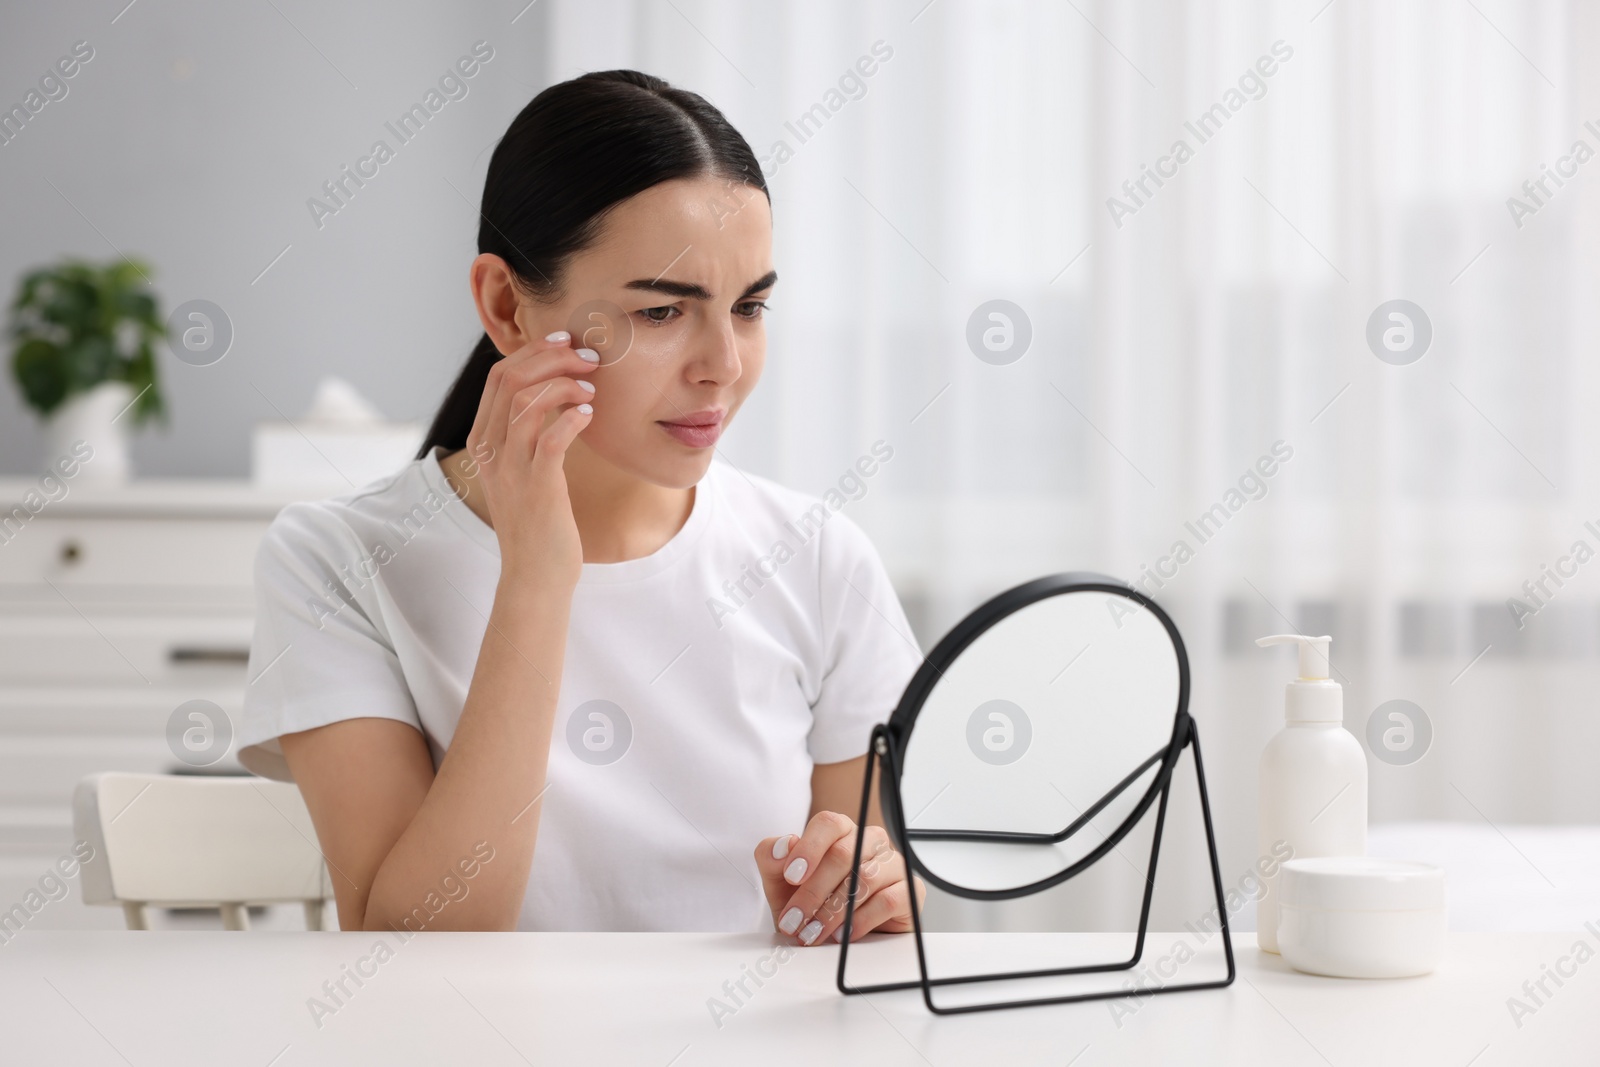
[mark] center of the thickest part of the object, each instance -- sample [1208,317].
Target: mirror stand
[884,751]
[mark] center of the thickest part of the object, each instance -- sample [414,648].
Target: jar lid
[1361,883]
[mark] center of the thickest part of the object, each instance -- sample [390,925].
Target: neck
[619,516]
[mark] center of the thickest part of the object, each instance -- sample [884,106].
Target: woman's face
[671,297]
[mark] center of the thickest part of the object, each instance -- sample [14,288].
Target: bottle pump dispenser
[1313,779]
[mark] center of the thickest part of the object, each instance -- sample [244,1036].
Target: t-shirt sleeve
[869,651]
[316,655]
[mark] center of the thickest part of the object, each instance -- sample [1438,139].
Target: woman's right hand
[535,402]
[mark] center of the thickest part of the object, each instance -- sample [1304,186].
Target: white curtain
[1178,338]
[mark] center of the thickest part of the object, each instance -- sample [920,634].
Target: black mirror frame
[978,622]
[887,746]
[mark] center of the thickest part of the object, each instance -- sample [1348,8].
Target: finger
[480,420]
[540,397]
[772,856]
[776,856]
[825,828]
[888,909]
[552,445]
[531,406]
[830,915]
[784,865]
[802,915]
[529,366]
[876,874]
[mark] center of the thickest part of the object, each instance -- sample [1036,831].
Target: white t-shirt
[701,682]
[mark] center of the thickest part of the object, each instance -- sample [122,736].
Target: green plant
[76,325]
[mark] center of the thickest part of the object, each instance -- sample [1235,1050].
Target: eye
[750,309]
[659,315]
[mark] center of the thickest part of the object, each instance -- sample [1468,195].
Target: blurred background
[1158,336]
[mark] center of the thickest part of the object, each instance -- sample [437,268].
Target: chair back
[192,841]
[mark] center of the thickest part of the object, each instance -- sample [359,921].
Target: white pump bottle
[1313,779]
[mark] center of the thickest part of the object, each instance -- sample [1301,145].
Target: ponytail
[454,419]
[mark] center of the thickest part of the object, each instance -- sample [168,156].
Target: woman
[569,668]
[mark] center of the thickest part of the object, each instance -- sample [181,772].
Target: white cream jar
[1361,917]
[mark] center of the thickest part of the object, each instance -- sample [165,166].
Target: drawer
[44,770]
[50,737]
[98,647]
[132,552]
[27,828]
[139,711]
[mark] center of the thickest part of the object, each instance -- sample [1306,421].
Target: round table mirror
[1037,734]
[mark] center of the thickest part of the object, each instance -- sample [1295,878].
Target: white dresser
[116,606]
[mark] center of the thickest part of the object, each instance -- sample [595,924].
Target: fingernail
[838,935]
[796,870]
[809,934]
[587,409]
[588,355]
[585,385]
[790,921]
[559,335]
[780,847]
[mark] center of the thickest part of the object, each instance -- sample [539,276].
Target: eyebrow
[692,291]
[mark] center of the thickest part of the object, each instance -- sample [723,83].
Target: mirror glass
[1039,740]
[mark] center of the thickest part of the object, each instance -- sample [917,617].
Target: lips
[699,429]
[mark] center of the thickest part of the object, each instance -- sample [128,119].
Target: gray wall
[193,140]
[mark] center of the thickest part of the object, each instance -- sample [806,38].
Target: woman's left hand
[807,880]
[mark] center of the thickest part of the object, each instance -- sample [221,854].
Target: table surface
[112,998]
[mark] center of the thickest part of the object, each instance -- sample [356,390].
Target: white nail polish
[587,409]
[790,921]
[809,934]
[780,847]
[559,335]
[588,355]
[584,385]
[838,935]
[796,870]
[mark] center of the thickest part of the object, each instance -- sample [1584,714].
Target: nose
[716,358]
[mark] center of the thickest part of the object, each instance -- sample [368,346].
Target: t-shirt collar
[707,499]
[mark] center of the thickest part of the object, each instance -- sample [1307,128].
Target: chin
[679,472]
[671,466]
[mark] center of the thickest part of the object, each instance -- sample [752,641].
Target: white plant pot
[84,423]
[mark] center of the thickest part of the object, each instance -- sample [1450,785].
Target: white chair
[198,841]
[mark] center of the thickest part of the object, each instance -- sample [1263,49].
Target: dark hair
[577,150]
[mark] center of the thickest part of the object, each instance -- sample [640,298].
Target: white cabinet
[116,606]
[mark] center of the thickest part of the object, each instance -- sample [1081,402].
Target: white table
[116,998]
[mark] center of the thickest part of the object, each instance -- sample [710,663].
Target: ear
[500,305]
